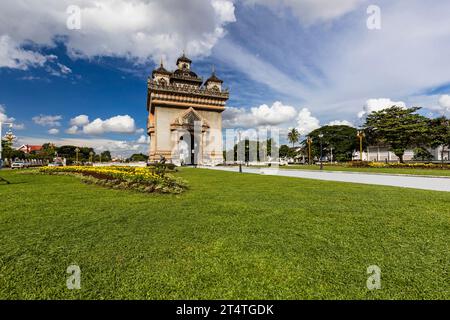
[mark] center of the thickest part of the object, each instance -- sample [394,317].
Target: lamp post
[1,125]
[309,142]
[240,162]
[360,135]
[321,151]
[77,150]
[1,150]
[331,157]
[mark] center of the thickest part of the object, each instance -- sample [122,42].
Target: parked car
[55,164]
[18,165]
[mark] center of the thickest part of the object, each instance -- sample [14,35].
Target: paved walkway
[405,181]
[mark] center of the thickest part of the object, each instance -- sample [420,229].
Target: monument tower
[185,115]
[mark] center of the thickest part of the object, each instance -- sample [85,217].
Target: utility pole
[1,149]
[240,162]
[1,146]
[309,141]
[321,151]
[77,150]
[360,135]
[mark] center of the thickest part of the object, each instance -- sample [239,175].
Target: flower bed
[398,165]
[130,178]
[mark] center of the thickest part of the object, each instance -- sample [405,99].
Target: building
[383,154]
[26,148]
[185,115]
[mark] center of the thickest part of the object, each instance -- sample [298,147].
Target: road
[405,181]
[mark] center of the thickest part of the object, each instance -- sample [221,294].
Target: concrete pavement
[405,181]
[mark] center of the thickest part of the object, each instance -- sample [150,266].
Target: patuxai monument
[185,115]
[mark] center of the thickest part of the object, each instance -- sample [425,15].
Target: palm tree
[293,136]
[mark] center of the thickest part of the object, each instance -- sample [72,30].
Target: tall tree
[293,136]
[398,128]
[8,152]
[342,139]
[106,155]
[439,133]
[138,157]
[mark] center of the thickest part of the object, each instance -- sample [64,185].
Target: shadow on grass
[5,182]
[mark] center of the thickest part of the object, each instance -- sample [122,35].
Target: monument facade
[185,115]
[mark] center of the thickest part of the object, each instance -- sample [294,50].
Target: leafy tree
[439,134]
[67,152]
[265,147]
[293,136]
[138,157]
[422,154]
[106,156]
[342,139]
[287,152]
[48,151]
[8,152]
[397,128]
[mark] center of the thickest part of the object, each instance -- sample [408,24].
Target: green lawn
[230,236]
[418,172]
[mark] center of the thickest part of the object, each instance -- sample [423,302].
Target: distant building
[382,154]
[185,115]
[27,148]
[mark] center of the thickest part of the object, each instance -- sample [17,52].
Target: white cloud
[444,103]
[12,56]
[275,115]
[18,126]
[143,139]
[138,29]
[72,130]
[47,120]
[311,11]
[258,69]
[53,131]
[117,147]
[374,105]
[306,122]
[340,123]
[64,69]
[5,118]
[80,120]
[224,10]
[117,124]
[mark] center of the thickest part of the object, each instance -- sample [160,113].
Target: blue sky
[288,63]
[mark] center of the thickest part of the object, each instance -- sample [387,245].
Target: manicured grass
[230,236]
[408,171]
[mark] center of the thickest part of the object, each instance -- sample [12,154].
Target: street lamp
[331,156]
[10,127]
[321,151]
[240,162]
[1,150]
[77,150]
[360,135]
[309,141]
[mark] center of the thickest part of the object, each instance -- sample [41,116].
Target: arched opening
[189,142]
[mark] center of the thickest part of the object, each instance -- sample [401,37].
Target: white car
[18,165]
[55,164]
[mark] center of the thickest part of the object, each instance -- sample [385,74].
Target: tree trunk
[400,157]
